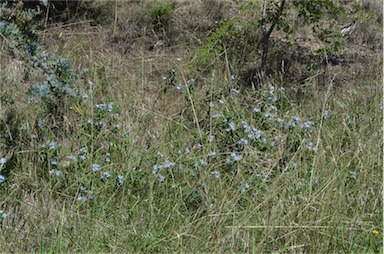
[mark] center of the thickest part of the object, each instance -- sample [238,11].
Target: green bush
[232,39]
[160,14]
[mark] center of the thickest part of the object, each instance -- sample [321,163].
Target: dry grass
[314,206]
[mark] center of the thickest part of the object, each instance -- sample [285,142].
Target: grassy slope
[282,194]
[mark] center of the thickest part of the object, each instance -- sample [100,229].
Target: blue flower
[236,157]
[168,164]
[203,162]
[102,122]
[85,96]
[53,161]
[232,125]
[100,106]
[245,186]
[211,104]
[309,144]
[95,167]
[110,107]
[83,150]
[105,175]
[120,179]
[81,198]
[242,141]
[216,174]
[271,90]
[2,161]
[54,172]
[90,120]
[212,154]
[161,178]
[210,138]
[3,214]
[154,169]
[52,145]
[87,196]
[234,91]
[253,133]
[71,157]
[216,116]
[325,114]
[296,118]
[245,124]
[2,179]
[308,126]
[353,174]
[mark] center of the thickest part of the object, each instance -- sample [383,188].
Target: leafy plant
[275,16]
[228,41]
[160,14]
[19,30]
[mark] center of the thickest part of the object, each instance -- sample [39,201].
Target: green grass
[305,179]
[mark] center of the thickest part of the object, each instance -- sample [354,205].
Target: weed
[160,13]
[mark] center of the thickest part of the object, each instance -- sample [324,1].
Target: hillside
[191,126]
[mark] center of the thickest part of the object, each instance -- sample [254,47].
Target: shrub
[19,30]
[160,14]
